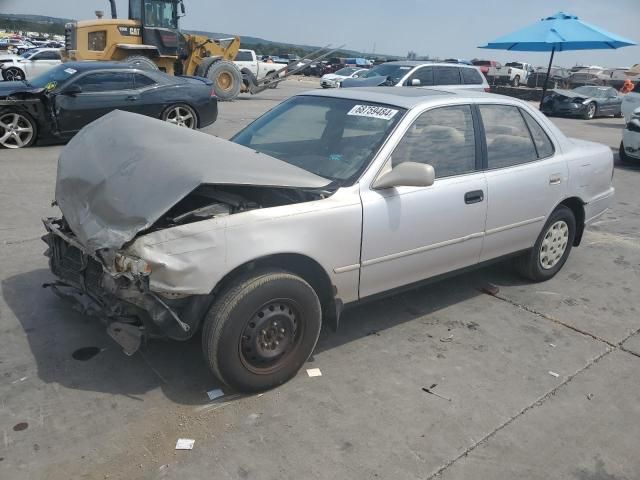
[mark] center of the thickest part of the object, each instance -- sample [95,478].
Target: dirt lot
[541,378]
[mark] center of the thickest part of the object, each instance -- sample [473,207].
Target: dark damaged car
[54,106]
[587,102]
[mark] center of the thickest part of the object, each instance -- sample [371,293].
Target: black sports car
[57,104]
[586,102]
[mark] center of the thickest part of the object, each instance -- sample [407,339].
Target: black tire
[516,81]
[530,265]
[141,62]
[592,110]
[226,78]
[189,116]
[13,74]
[272,85]
[618,115]
[241,321]
[24,121]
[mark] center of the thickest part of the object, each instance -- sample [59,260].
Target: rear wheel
[226,78]
[17,129]
[261,330]
[591,111]
[552,247]
[142,62]
[181,115]
[13,74]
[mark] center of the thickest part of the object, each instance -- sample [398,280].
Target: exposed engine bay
[211,201]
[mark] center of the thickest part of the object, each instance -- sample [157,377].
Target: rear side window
[244,57]
[142,81]
[543,144]
[106,82]
[50,55]
[446,76]
[442,137]
[470,76]
[508,140]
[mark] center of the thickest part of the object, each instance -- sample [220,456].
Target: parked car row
[56,104]
[585,101]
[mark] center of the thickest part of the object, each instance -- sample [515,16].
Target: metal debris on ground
[215,393]
[314,372]
[430,391]
[447,339]
[490,289]
[554,374]
[589,396]
[185,444]
[553,345]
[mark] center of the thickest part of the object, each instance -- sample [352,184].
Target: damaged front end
[115,288]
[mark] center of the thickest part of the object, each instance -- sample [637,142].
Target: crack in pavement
[534,404]
[611,347]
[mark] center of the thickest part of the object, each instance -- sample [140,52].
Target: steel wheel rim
[16,130]
[224,80]
[181,116]
[554,244]
[271,336]
[14,75]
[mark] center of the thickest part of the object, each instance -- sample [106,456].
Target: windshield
[591,91]
[335,138]
[347,71]
[395,71]
[52,78]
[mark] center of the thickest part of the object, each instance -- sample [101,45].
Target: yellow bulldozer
[150,38]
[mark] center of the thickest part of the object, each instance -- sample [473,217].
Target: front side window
[424,75]
[50,55]
[106,82]
[508,140]
[444,138]
[393,71]
[447,76]
[335,138]
[97,41]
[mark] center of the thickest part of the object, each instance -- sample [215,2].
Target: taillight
[487,89]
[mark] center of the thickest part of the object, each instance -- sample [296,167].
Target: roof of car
[398,96]
[417,63]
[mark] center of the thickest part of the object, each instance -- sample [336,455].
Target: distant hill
[44,24]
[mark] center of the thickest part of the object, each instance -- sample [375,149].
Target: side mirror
[72,90]
[407,174]
[415,82]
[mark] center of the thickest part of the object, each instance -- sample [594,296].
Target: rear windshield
[335,138]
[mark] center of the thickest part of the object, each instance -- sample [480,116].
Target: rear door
[102,92]
[526,179]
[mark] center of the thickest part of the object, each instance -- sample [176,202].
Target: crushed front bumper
[123,301]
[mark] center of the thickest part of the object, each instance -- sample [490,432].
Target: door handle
[555,180]
[476,196]
[131,98]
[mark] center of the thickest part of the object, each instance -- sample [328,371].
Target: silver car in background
[330,198]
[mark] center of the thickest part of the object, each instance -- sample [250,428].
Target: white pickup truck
[246,60]
[512,73]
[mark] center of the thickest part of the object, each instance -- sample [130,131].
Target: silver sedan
[329,198]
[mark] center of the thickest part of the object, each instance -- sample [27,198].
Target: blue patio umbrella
[559,33]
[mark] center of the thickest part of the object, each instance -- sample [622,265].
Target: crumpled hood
[569,93]
[121,173]
[364,82]
[11,88]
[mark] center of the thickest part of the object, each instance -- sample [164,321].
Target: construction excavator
[150,38]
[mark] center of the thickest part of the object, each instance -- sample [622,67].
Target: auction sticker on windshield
[373,112]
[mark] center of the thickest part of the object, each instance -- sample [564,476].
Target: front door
[102,92]
[413,233]
[526,179]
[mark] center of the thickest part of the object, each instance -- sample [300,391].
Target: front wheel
[181,115]
[13,74]
[261,330]
[516,81]
[552,247]
[226,78]
[17,129]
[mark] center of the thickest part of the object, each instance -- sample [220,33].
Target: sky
[452,28]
